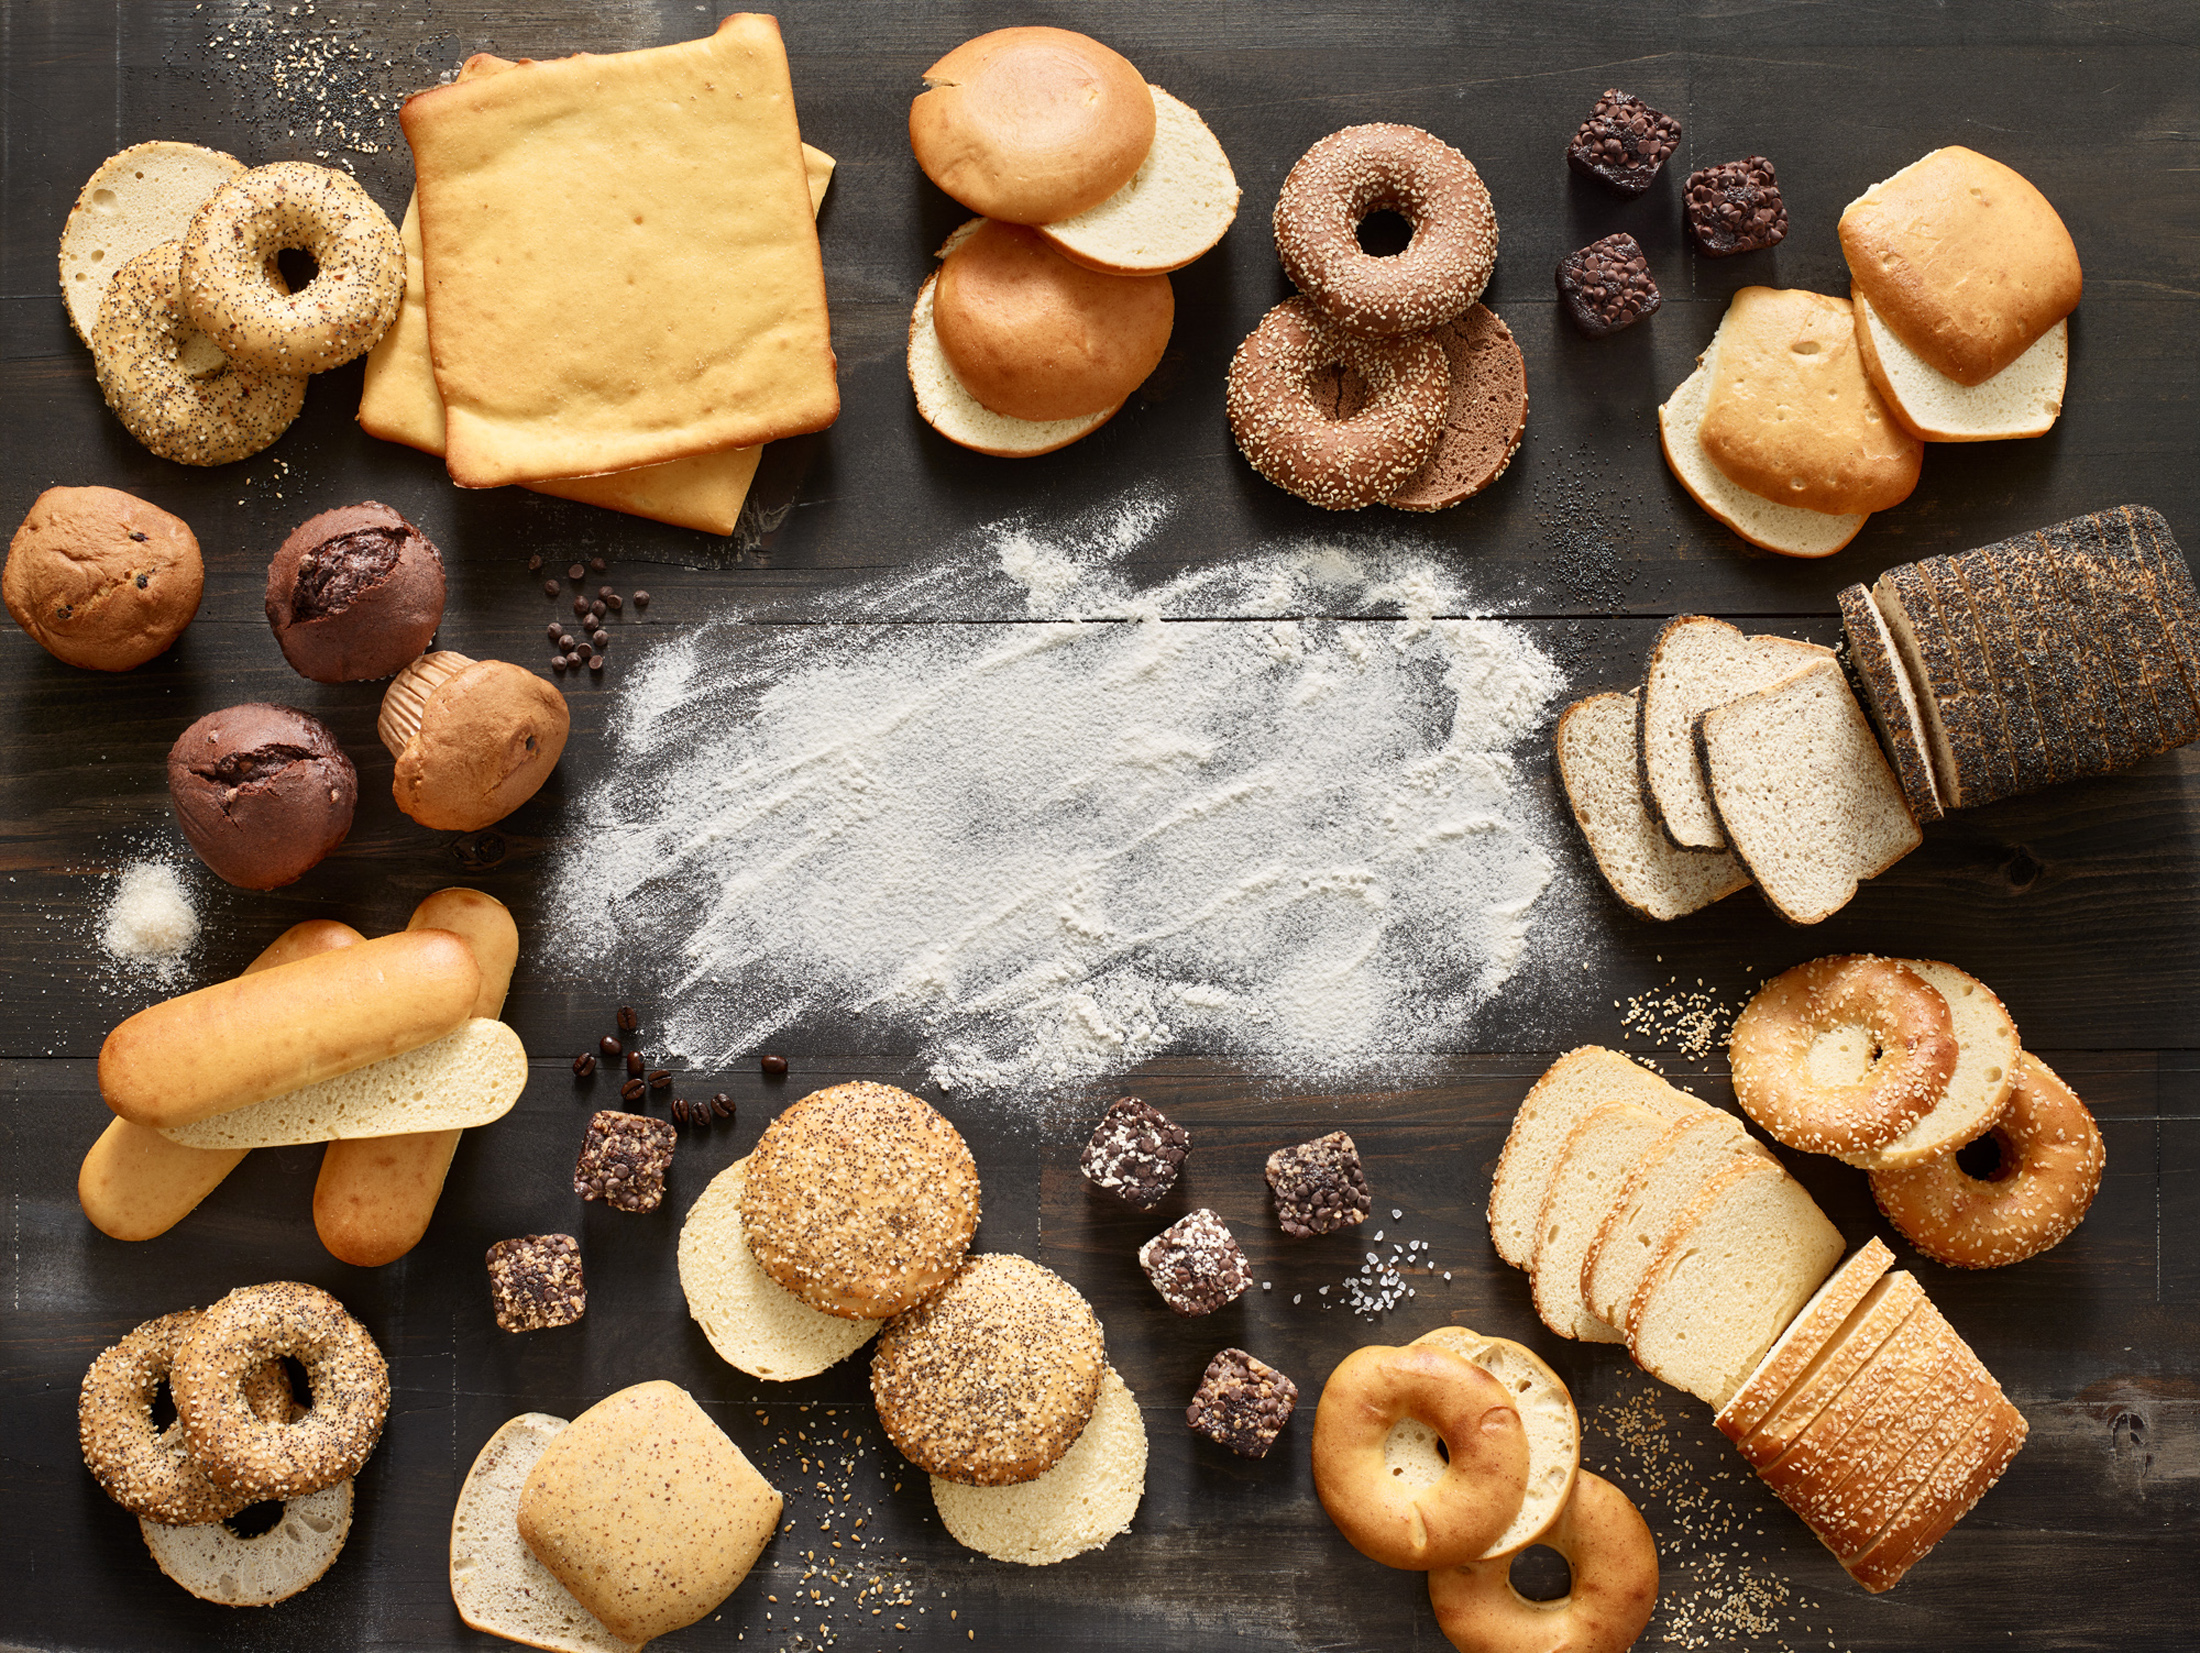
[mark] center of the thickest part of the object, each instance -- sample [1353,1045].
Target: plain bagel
[1614,1562]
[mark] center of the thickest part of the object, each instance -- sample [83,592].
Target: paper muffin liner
[405,701]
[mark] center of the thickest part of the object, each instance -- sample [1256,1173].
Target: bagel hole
[255,1519]
[1983,1160]
[164,1406]
[1540,1573]
[301,1386]
[1384,234]
[297,266]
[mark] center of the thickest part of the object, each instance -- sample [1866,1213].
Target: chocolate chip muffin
[262,792]
[101,578]
[354,594]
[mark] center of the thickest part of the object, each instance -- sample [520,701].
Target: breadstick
[377,1194]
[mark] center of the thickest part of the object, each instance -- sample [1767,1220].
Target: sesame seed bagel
[232,292]
[1278,382]
[169,385]
[991,1380]
[270,1458]
[1386,168]
[860,1200]
[2051,1162]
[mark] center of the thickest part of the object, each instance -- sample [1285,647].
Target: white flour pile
[150,920]
[1045,851]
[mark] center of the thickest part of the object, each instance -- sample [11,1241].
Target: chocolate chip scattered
[555,628]
[1319,1186]
[595,662]
[775,1067]
[641,599]
[584,1065]
[557,664]
[565,642]
[534,563]
[661,1079]
[578,571]
[1623,143]
[1242,1403]
[580,606]
[722,1105]
[597,563]
[1607,286]
[614,601]
[139,536]
[550,588]
[632,1091]
[628,1021]
[601,639]
[1135,1153]
[605,592]
[608,1045]
[598,607]
[1735,208]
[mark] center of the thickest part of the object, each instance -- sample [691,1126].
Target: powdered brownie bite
[536,1282]
[1242,1403]
[1195,1264]
[1319,1185]
[1135,1153]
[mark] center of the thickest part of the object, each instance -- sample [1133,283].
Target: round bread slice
[1076,1506]
[1547,1413]
[948,408]
[1484,421]
[755,1323]
[216,1565]
[135,200]
[496,1583]
[2023,399]
[1986,1069]
[1178,204]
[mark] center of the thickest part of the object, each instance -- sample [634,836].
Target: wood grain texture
[2080,905]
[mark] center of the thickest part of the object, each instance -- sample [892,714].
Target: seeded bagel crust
[861,1200]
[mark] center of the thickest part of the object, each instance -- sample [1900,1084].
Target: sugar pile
[1269,809]
[150,919]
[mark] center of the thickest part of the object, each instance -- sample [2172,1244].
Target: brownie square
[1735,208]
[1242,1403]
[623,1161]
[535,1282]
[1623,143]
[1607,286]
[1135,1153]
[1320,1186]
[1195,1264]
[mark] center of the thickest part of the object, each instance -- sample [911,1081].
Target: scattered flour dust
[1269,809]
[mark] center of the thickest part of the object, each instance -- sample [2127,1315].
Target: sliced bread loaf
[1748,1254]
[1672,1172]
[2061,751]
[1598,763]
[1547,1413]
[1885,1308]
[2174,590]
[1955,723]
[1585,1182]
[1953,1490]
[1898,1373]
[2060,651]
[1986,1069]
[1803,792]
[1698,663]
[1177,204]
[1820,1321]
[1890,699]
[2004,695]
[2023,399]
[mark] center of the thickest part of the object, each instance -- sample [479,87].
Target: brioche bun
[1178,204]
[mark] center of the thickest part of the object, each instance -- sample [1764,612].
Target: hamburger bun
[2023,399]
[1176,206]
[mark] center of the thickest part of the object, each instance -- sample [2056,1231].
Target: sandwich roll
[243,1041]
[376,1195]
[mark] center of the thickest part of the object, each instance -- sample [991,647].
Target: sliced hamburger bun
[1031,125]
[1087,1498]
[1176,206]
[1035,337]
[2023,399]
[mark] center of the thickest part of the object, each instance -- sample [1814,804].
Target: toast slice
[1672,1172]
[2006,696]
[1986,1071]
[1585,1182]
[1891,700]
[1820,1321]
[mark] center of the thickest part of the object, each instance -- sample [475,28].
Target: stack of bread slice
[1749,760]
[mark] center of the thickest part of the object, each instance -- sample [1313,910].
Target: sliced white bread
[1177,205]
[1748,1254]
[2023,399]
[1088,1497]
[960,417]
[134,201]
[471,1077]
[1804,792]
[1986,1069]
[1789,530]
[1891,698]
[496,1583]
[1553,1427]
[1886,1307]
[1579,1081]
[754,1322]
[1897,1374]
[1822,1318]
[1585,1182]
[1599,765]
[216,1565]
[1698,663]
[1673,1171]
[1961,1479]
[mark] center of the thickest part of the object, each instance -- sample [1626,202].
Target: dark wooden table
[2081,906]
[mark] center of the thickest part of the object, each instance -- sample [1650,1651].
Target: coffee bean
[628,1021]
[679,1110]
[661,1079]
[722,1105]
[775,1067]
[550,588]
[641,599]
[634,1061]
[608,1045]
[534,563]
[584,1065]
[576,572]
[632,1091]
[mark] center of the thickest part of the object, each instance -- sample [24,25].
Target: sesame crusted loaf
[1887,1304]
[1585,1182]
[1819,1322]
[1658,1190]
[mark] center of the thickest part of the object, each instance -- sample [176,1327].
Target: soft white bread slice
[1892,700]
[1896,1374]
[1088,1497]
[754,1322]
[1804,793]
[216,1565]
[1176,206]
[496,1583]
[1698,663]
[2023,399]
[134,201]
[960,417]
[1885,1306]
[1585,1183]
[1672,1172]
[1579,1081]
[1821,1319]
[1789,530]
[471,1077]
[1748,1254]
[1599,765]
[1986,1070]
[1553,1427]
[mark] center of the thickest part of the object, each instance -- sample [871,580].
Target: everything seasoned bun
[1783,349]
[1031,125]
[1966,262]
[1176,206]
[861,1199]
[2023,399]
[1035,337]
[136,200]
[101,578]
[263,792]
[473,739]
[1076,1506]
[354,593]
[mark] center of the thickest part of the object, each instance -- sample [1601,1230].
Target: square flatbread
[622,266]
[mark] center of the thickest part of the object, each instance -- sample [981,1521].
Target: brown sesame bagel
[1386,168]
[1285,369]
[268,1458]
[233,293]
[169,385]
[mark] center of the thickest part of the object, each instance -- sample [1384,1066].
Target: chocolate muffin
[263,792]
[355,594]
[101,578]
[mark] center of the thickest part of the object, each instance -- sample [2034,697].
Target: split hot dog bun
[239,1042]
[377,1194]
[135,1183]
